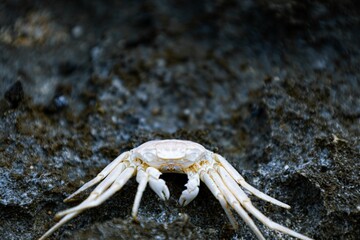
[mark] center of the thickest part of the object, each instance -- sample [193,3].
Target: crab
[149,160]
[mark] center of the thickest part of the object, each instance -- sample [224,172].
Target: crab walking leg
[156,184]
[116,186]
[240,180]
[110,167]
[235,204]
[245,201]
[192,189]
[110,179]
[233,186]
[142,178]
[271,224]
[59,224]
[219,196]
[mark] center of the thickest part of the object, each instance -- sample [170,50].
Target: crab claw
[191,192]
[160,188]
[187,196]
[156,184]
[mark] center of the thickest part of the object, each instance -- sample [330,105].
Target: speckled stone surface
[273,86]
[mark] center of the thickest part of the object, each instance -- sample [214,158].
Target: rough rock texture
[273,86]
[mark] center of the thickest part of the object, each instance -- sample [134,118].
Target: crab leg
[271,224]
[142,178]
[108,169]
[59,224]
[116,186]
[219,196]
[231,199]
[158,185]
[245,201]
[192,189]
[110,179]
[240,180]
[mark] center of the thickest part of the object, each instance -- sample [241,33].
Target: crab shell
[172,156]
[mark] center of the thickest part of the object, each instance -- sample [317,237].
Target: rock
[252,81]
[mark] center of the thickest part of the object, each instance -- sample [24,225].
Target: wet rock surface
[273,87]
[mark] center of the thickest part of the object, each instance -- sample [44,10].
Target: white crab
[152,158]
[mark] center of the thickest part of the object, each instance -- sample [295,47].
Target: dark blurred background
[273,86]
